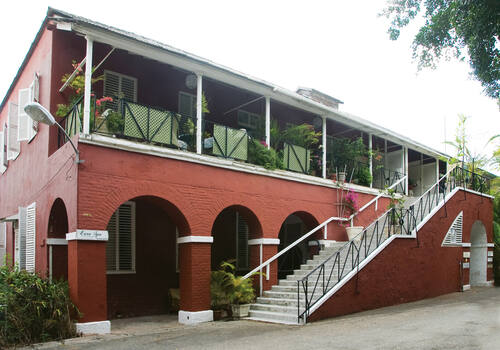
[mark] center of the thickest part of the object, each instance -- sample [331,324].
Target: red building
[190,163]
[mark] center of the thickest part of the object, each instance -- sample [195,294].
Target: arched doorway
[294,227]
[57,252]
[231,230]
[142,257]
[478,254]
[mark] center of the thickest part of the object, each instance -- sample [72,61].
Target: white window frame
[12,154]
[133,240]
[193,103]
[249,125]
[120,78]
[3,153]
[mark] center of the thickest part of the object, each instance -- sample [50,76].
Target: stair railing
[267,264]
[392,222]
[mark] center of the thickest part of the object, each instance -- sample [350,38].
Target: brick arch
[253,222]
[57,224]
[98,216]
[308,218]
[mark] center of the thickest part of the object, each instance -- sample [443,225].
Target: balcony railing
[143,123]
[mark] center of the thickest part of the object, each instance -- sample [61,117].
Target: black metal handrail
[402,221]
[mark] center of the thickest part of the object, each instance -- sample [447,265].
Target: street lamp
[39,113]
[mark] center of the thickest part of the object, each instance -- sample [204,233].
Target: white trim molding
[466,245]
[56,241]
[194,317]
[100,327]
[195,239]
[264,241]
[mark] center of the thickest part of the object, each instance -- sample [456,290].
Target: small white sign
[88,235]
[466,254]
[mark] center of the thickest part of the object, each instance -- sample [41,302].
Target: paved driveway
[469,320]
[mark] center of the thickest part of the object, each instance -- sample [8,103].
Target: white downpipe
[88,87]
[323,224]
[199,112]
[268,122]
[323,161]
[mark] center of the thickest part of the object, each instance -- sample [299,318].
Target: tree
[465,29]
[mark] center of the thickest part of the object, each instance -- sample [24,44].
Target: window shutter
[241,242]
[126,224]
[12,142]
[17,259]
[5,160]
[119,86]
[22,238]
[30,237]
[2,153]
[187,104]
[454,235]
[23,119]
[3,242]
[128,88]
[120,249]
[111,255]
[33,97]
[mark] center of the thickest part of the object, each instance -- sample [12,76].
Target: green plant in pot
[364,177]
[259,154]
[229,287]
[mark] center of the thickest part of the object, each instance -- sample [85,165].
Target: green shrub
[259,154]
[115,123]
[364,177]
[496,253]
[34,309]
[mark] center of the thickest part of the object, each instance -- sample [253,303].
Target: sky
[338,47]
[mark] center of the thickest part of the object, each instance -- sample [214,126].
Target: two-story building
[184,163]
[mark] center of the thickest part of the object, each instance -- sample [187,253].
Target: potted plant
[229,287]
[350,204]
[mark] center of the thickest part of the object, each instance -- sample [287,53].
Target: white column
[268,122]
[370,149]
[323,161]
[88,87]
[199,113]
[405,167]
[437,169]
[421,173]
[385,154]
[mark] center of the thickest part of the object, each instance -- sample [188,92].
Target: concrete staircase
[279,305]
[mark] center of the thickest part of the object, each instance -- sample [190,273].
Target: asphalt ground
[469,320]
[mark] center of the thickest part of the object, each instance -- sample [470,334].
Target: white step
[274,308]
[274,316]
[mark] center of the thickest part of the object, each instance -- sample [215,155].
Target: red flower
[263,143]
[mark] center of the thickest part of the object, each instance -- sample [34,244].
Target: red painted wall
[34,176]
[408,270]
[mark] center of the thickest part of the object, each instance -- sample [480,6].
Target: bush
[496,253]
[364,177]
[259,154]
[34,309]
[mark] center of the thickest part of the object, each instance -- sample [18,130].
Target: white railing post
[323,161]
[268,122]
[325,233]
[199,113]
[88,86]
[260,271]
[370,148]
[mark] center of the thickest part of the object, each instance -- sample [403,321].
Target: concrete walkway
[469,320]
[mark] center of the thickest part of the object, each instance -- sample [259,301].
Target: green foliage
[346,151]
[299,135]
[496,252]
[467,29]
[226,287]
[364,177]
[115,122]
[35,309]
[259,154]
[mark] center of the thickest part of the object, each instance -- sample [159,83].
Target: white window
[3,150]
[252,122]
[187,104]
[120,248]
[454,235]
[13,145]
[3,242]
[27,127]
[118,86]
[26,238]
